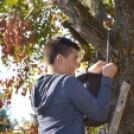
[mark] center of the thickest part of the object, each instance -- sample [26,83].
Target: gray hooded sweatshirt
[60,103]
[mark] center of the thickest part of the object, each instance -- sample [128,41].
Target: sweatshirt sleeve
[94,108]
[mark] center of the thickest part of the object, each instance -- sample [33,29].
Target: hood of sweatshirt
[42,92]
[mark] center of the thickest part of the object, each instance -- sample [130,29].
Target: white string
[108,47]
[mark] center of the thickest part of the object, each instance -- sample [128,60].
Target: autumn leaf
[1,104]
[8,102]
[83,65]
[1,122]
[5,121]
[9,96]
[2,84]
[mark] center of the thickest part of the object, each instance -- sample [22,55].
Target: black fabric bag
[92,82]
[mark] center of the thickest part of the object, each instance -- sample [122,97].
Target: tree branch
[84,23]
[83,43]
[97,9]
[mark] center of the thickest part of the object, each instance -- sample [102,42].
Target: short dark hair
[58,45]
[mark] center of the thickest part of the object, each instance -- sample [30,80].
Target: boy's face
[70,63]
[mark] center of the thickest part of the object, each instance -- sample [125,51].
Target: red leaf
[2,84]
[16,91]
[9,96]
[8,102]
[1,104]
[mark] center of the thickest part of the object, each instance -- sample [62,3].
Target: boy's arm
[94,108]
[85,102]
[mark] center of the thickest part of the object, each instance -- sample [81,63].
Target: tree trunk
[124,37]
[121,46]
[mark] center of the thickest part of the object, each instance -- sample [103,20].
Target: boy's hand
[109,70]
[97,67]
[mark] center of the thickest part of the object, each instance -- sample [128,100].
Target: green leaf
[85,46]
[15,86]
[7,65]
[16,49]
[11,91]
[98,129]
[93,131]
[83,65]
[90,55]
[91,46]
[33,80]
[4,89]
[29,46]
[11,2]
[6,59]
[110,3]
[35,71]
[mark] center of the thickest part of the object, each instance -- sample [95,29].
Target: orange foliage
[1,104]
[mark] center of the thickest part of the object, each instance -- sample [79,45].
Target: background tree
[27,25]
[25,126]
[5,121]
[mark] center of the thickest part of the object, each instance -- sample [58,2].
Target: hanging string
[107,58]
[108,47]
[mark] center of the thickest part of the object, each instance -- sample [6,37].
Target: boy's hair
[58,45]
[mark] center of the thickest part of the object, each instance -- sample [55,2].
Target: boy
[60,105]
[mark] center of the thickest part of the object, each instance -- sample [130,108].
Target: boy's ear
[59,58]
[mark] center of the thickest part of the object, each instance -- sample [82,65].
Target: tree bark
[97,9]
[124,36]
[84,23]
